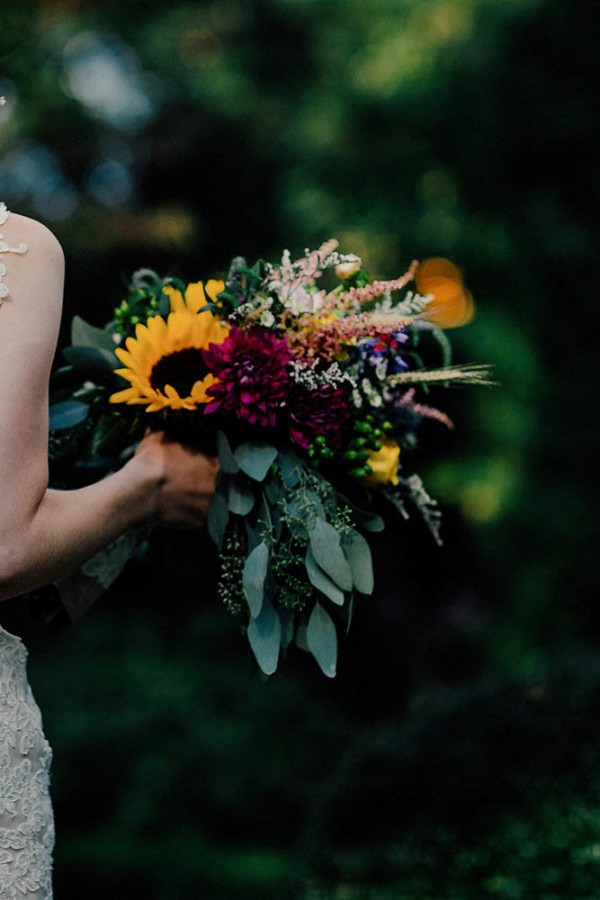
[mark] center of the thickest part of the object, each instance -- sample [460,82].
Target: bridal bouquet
[304,377]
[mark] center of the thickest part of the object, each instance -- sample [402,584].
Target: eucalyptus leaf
[227,460]
[67,414]
[326,549]
[240,497]
[301,641]
[253,577]
[91,358]
[218,518]
[286,618]
[252,534]
[321,638]
[358,554]
[321,581]
[317,503]
[291,469]
[272,489]
[264,635]
[85,335]
[365,519]
[255,458]
[370,521]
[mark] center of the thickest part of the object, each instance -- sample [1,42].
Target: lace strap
[5,248]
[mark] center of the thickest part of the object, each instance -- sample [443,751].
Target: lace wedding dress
[26,822]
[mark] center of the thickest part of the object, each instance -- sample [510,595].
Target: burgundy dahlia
[253,377]
[324,410]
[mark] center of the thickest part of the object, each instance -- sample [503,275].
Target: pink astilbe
[324,340]
[426,412]
[355,297]
[291,279]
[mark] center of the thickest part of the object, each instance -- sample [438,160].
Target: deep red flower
[253,376]
[324,410]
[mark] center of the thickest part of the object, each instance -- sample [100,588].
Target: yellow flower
[195,295]
[452,303]
[384,464]
[164,363]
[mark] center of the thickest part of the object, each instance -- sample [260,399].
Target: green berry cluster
[367,438]
[319,451]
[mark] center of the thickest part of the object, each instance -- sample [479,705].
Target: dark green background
[456,754]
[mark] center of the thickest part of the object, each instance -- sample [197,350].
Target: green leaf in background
[91,358]
[227,460]
[253,578]
[321,638]
[240,497]
[217,519]
[67,414]
[358,554]
[256,458]
[107,430]
[85,335]
[328,554]
[321,581]
[264,635]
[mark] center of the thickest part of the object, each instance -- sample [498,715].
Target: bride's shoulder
[32,271]
[39,238]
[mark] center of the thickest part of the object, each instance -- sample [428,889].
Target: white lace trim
[5,248]
[26,822]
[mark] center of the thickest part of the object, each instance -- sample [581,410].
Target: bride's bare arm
[44,534]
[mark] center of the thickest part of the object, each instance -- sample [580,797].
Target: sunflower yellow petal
[175,298]
[195,297]
[214,287]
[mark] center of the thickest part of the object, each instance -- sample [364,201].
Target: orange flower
[452,303]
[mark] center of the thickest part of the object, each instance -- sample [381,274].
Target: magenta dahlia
[251,367]
[324,410]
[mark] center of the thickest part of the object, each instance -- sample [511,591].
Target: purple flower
[253,379]
[324,410]
[384,352]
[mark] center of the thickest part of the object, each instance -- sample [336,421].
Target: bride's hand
[185,484]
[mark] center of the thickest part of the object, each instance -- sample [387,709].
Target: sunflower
[197,295]
[165,364]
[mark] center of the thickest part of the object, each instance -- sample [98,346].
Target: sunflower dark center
[181,370]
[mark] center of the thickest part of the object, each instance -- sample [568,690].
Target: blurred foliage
[181,134]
